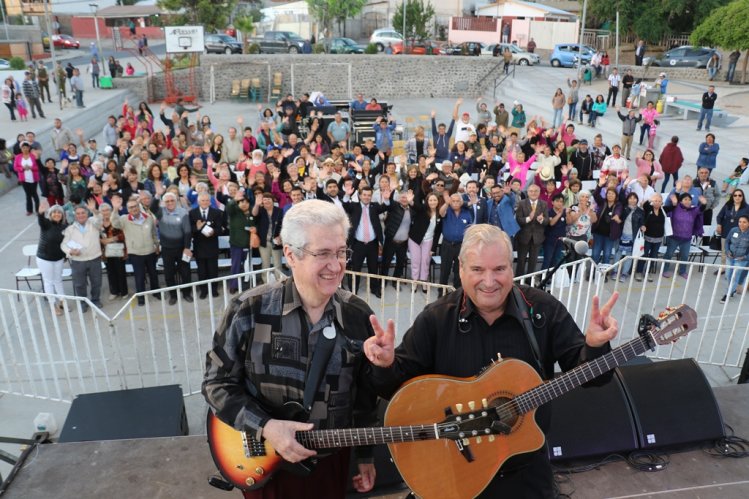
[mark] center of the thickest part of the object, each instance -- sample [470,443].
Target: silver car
[519,56]
[381,37]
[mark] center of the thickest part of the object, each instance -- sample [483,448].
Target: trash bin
[105,82]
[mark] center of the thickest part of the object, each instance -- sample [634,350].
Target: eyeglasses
[738,195]
[342,254]
[132,206]
[440,185]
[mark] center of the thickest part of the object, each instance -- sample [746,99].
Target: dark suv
[222,44]
[686,56]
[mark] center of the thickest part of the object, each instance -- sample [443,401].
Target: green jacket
[239,235]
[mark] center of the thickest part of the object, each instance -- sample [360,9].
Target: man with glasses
[176,236]
[142,244]
[275,329]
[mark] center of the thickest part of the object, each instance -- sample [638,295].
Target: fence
[57,357]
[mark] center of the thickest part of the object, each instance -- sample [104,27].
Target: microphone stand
[566,254]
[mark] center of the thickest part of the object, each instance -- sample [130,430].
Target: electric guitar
[441,452]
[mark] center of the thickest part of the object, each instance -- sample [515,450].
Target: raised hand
[380,348]
[602,327]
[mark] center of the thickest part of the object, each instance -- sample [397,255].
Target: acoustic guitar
[449,436]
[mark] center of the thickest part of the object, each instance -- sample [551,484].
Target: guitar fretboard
[582,374]
[351,437]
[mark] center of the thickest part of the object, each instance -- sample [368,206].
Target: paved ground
[532,86]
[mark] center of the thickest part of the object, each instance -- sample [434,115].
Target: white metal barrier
[54,357]
[57,357]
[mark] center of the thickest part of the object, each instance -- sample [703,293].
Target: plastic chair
[234,94]
[255,92]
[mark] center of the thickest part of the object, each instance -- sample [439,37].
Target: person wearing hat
[686,222]
[582,160]
[464,128]
[544,179]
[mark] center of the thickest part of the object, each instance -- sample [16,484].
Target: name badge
[329,332]
[736,235]
[464,221]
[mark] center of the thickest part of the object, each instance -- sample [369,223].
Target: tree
[212,15]
[328,11]
[726,27]
[418,19]
[652,20]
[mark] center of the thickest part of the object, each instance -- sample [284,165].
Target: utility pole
[100,50]
[52,49]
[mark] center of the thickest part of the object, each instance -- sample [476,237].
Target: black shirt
[708,101]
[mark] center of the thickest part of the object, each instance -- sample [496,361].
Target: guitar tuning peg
[466,441]
[478,440]
[471,405]
[499,357]
[484,403]
[490,438]
[459,407]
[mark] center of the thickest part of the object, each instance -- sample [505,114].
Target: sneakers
[623,278]
[724,298]
[651,278]
[638,277]
[684,275]
[668,275]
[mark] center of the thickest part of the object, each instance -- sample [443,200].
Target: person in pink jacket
[649,120]
[519,166]
[648,165]
[26,166]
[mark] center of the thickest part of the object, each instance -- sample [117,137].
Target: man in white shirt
[614,81]
[616,163]
[82,247]
[464,128]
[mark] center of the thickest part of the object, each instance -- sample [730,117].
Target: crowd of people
[167,183]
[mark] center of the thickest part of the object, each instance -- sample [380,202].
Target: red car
[418,48]
[65,42]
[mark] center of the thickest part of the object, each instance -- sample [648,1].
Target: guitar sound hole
[508,413]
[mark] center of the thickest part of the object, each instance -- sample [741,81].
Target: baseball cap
[466,114]
[584,142]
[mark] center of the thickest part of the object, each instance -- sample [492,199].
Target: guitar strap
[525,314]
[320,358]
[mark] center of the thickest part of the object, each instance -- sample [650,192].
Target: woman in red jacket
[671,160]
[26,166]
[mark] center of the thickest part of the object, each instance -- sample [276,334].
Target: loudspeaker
[591,421]
[123,414]
[672,403]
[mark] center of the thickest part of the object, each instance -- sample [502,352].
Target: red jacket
[671,158]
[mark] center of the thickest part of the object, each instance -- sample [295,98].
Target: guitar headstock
[675,322]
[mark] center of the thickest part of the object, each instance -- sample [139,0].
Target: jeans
[95,80]
[421,257]
[176,270]
[611,97]
[84,273]
[705,113]
[449,252]
[238,256]
[592,118]
[79,98]
[558,117]
[32,196]
[51,276]
[734,281]
[12,108]
[552,252]
[666,176]
[672,244]
[731,71]
[620,253]
[142,265]
[35,106]
[602,248]
[711,72]
[644,129]
[650,251]
[116,276]
[572,108]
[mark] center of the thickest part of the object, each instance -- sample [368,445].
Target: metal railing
[52,357]
[500,79]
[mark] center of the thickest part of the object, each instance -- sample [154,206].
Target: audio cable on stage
[729,446]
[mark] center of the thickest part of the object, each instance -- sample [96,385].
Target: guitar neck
[570,380]
[353,437]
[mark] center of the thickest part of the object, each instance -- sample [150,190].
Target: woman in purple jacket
[686,222]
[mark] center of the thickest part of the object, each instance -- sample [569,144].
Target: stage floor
[179,467]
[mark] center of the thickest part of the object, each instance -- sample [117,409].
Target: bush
[371,49]
[253,48]
[17,63]
[318,48]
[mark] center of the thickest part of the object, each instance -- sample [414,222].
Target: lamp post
[5,20]
[95,9]
[52,48]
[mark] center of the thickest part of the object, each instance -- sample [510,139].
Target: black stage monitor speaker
[672,403]
[141,413]
[591,421]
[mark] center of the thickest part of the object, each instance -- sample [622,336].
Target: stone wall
[370,74]
[692,74]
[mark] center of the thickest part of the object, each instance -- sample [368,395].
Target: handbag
[114,250]
[667,228]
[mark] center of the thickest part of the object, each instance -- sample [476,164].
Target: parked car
[566,55]
[426,47]
[4,64]
[466,48]
[381,37]
[345,46]
[221,44]
[519,56]
[686,56]
[282,42]
[65,42]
